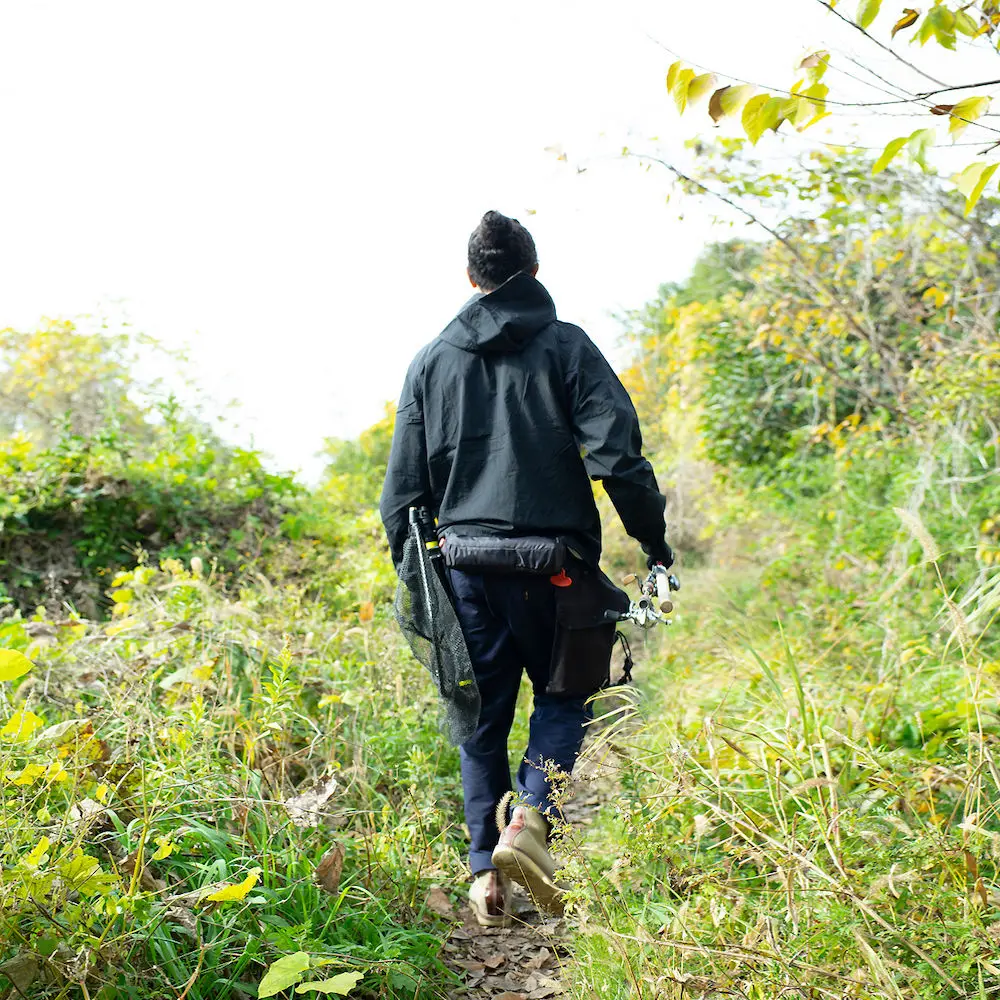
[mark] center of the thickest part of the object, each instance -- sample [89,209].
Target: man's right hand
[662,555]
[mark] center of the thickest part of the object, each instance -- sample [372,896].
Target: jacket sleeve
[607,431]
[407,481]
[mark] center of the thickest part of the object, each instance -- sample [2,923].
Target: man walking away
[503,421]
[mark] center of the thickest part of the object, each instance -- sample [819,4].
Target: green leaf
[939,24]
[341,985]
[909,18]
[890,153]
[918,144]
[13,664]
[285,972]
[868,11]
[729,101]
[761,113]
[966,112]
[973,180]
[796,110]
[966,24]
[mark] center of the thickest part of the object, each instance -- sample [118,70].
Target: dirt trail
[525,961]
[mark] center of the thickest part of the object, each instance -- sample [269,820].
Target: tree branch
[883,46]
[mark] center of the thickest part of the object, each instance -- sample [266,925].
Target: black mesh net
[428,620]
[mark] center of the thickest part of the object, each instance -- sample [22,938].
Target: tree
[874,305]
[58,373]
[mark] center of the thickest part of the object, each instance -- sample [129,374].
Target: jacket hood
[503,321]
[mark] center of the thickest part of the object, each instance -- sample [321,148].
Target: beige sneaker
[489,897]
[522,855]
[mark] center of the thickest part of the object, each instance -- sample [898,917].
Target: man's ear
[468,274]
[534,271]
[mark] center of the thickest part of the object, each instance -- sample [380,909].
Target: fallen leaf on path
[329,870]
[438,901]
[543,958]
[493,962]
[546,988]
[512,996]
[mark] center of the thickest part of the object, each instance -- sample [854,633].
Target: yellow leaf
[966,112]
[123,626]
[234,893]
[700,86]
[13,664]
[935,296]
[38,852]
[164,849]
[367,612]
[868,11]
[56,772]
[761,113]
[889,154]
[341,984]
[973,180]
[204,672]
[21,725]
[909,18]
[675,68]
[679,91]
[29,775]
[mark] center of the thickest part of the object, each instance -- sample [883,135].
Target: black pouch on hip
[534,554]
[584,640]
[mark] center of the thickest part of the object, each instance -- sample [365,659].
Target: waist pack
[534,554]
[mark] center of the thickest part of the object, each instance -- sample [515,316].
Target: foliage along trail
[223,773]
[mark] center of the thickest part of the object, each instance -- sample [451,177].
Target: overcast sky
[288,187]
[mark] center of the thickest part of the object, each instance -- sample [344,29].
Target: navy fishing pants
[509,624]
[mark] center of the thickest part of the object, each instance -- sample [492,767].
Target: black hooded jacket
[502,422]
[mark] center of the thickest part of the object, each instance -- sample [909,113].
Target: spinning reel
[653,604]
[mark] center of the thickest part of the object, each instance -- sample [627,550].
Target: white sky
[288,187]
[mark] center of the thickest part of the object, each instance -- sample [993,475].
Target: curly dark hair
[499,248]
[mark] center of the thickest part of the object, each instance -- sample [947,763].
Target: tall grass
[154,760]
[810,804]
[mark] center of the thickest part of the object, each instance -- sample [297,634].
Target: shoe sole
[485,920]
[517,866]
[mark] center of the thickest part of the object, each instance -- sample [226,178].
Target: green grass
[810,804]
[197,716]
